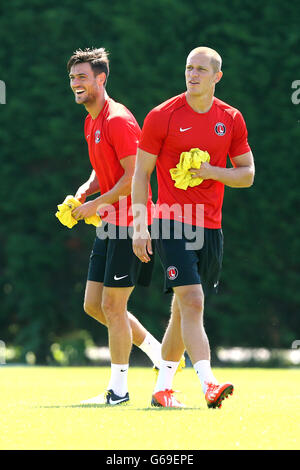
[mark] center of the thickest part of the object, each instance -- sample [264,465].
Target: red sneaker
[166,399]
[215,394]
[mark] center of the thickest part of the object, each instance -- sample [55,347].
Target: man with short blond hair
[195,119]
[214,56]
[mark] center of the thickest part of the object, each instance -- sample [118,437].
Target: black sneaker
[106,398]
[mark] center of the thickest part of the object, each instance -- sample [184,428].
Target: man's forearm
[140,194]
[121,189]
[241,177]
[92,186]
[140,191]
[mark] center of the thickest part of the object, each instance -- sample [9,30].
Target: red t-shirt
[112,136]
[174,127]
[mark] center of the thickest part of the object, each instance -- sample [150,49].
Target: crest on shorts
[220,128]
[97,137]
[172,273]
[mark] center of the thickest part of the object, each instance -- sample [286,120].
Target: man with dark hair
[97,58]
[112,135]
[194,122]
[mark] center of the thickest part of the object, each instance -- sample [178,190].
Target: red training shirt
[112,136]
[174,127]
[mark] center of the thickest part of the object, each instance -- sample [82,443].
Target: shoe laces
[212,388]
[170,393]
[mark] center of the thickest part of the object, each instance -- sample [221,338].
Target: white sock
[205,374]
[152,348]
[165,376]
[118,379]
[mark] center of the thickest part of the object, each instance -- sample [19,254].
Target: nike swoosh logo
[115,402]
[186,129]
[116,278]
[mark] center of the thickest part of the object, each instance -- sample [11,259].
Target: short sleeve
[87,124]
[239,143]
[154,132]
[124,134]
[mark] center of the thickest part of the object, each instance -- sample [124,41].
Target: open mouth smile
[79,91]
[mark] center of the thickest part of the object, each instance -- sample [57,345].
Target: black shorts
[113,262]
[187,261]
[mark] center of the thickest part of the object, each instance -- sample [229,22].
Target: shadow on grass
[124,408]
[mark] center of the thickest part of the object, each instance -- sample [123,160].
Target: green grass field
[39,409]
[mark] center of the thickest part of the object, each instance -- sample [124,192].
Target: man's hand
[142,247]
[205,171]
[91,186]
[88,209]
[81,193]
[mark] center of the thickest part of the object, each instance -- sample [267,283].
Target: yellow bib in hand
[64,213]
[181,174]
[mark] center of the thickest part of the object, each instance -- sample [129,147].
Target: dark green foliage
[44,158]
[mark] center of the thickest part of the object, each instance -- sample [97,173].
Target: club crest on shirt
[220,128]
[97,137]
[172,273]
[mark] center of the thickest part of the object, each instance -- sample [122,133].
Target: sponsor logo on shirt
[220,128]
[97,137]
[172,273]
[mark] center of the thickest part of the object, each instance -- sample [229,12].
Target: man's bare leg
[140,336]
[172,344]
[114,307]
[185,331]
[190,300]
[172,349]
